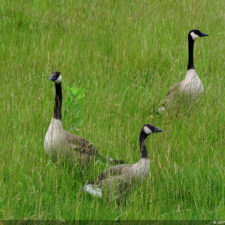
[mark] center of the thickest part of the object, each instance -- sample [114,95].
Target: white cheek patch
[147,130]
[194,36]
[59,79]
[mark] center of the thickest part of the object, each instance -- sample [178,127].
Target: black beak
[53,78]
[203,34]
[157,130]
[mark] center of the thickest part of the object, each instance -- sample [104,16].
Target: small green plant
[74,105]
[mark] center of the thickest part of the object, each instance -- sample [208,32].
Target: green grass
[125,54]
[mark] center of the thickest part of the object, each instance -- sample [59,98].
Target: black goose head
[149,129]
[194,34]
[146,130]
[56,77]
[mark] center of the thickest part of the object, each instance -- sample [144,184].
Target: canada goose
[191,86]
[120,177]
[60,142]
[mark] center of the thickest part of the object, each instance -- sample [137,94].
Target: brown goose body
[117,179]
[191,88]
[60,142]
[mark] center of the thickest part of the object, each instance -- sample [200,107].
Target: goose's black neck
[190,53]
[58,101]
[142,137]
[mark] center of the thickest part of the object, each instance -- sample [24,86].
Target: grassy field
[125,54]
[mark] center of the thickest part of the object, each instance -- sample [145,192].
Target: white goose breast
[192,84]
[54,136]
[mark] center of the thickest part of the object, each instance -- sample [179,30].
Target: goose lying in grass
[121,177]
[191,87]
[60,143]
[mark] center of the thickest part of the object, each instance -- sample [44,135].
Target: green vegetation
[74,106]
[125,54]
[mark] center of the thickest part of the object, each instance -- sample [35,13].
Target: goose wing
[113,171]
[173,90]
[81,145]
[172,93]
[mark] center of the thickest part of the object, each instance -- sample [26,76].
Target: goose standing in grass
[121,177]
[59,142]
[191,87]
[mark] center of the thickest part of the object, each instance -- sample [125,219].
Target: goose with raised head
[191,87]
[121,177]
[59,142]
